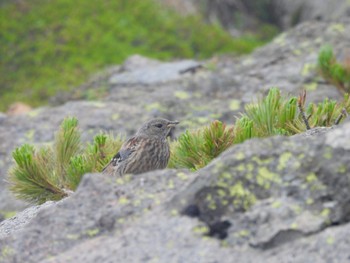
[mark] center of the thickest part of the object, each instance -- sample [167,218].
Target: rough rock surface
[281,199]
[294,12]
[238,15]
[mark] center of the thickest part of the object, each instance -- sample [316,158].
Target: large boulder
[281,199]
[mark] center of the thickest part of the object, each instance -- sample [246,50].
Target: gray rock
[18,221]
[136,62]
[294,194]
[294,12]
[237,15]
[153,74]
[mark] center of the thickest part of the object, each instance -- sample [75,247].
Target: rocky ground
[299,185]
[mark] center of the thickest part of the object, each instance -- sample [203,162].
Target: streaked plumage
[147,150]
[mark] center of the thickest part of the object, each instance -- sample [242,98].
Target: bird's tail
[108,169]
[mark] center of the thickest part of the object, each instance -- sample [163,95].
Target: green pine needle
[334,72]
[67,144]
[50,173]
[196,149]
[273,115]
[32,179]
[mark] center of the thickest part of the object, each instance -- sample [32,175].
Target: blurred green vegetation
[333,71]
[50,46]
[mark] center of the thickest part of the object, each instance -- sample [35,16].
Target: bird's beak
[172,124]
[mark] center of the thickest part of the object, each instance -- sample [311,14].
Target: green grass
[50,46]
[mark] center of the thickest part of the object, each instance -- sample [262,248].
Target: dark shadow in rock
[191,211]
[107,221]
[219,229]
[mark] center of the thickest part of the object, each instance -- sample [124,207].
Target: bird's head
[157,128]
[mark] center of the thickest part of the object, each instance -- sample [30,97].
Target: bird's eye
[159,125]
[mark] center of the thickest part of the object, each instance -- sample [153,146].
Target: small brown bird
[147,150]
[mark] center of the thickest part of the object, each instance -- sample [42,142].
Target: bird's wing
[125,151]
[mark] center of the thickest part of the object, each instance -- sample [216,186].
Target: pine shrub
[53,172]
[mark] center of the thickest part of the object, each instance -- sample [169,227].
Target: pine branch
[301,103]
